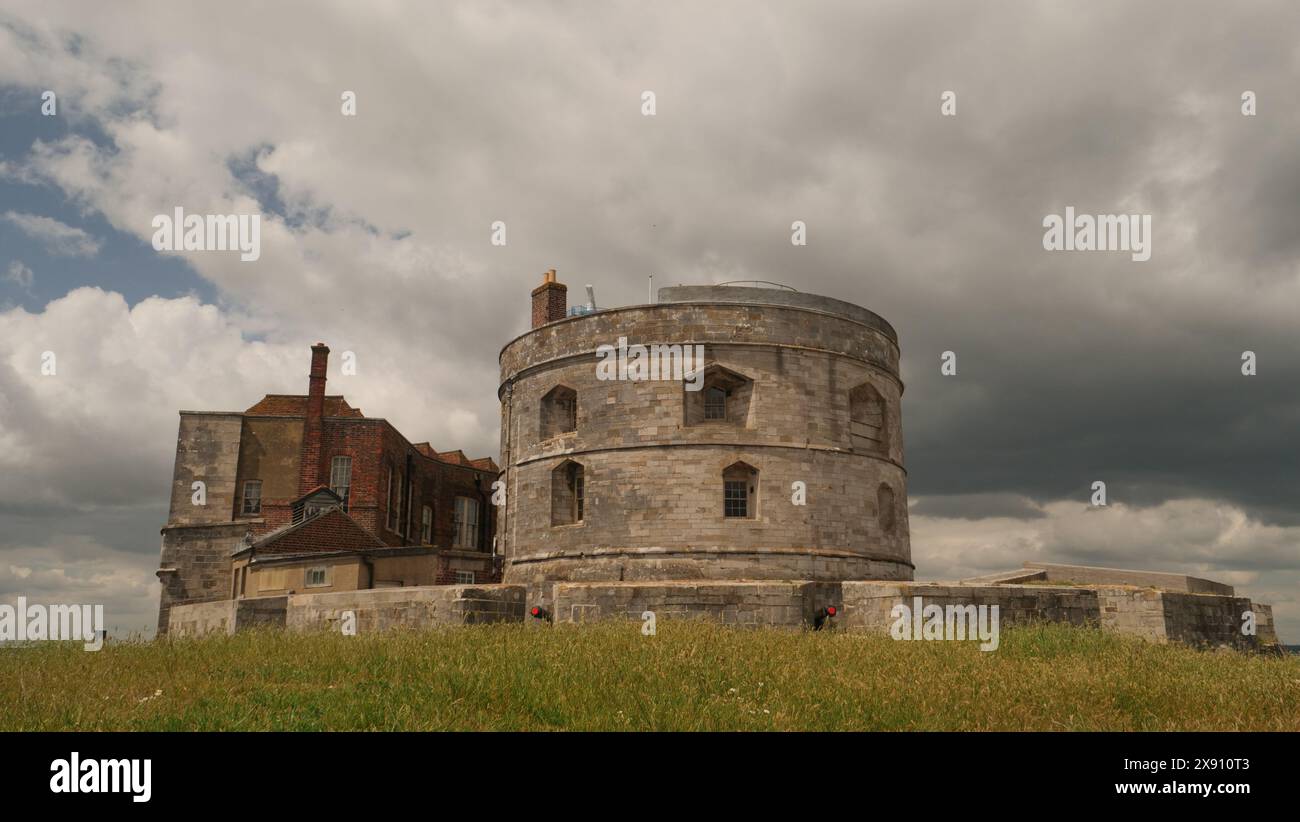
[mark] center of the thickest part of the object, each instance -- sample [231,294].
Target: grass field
[691,676]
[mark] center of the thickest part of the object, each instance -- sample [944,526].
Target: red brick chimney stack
[550,300]
[309,468]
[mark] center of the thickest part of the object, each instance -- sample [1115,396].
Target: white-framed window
[739,491]
[252,497]
[316,577]
[426,525]
[465,523]
[341,478]
[715,403]
[464,577]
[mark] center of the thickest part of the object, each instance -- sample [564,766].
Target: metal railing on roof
[760,284]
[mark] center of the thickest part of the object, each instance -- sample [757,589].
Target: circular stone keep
[779,456]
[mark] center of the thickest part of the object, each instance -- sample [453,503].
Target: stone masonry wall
[226,616]
[381,609]
[200,559]
[867,605]
[731,603]
[653,487]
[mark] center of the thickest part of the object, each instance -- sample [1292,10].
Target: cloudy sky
[1073,367]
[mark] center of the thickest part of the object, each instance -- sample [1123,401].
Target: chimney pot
[550,300]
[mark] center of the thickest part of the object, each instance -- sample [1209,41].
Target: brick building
[305,491]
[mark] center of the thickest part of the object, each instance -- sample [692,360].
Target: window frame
[711,407]
[346,492]
[244,498]
[731,500]
[460,522]
[310,571]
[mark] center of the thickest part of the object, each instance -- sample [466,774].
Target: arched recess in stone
[868,432]
[886,509]
[568,493]
[559,412]
[725,398]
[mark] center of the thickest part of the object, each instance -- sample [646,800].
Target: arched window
[739,491]
[723,397]
[559,414]
[886,512]
[867,432]
[568,494]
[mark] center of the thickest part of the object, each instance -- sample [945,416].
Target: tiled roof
[295,405]
[332,530]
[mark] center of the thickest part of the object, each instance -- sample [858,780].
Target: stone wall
[200,618]
[226,616]
[195,566]
[867,605]
[425,607]
[1200,619]
[730,603]
[1089,575]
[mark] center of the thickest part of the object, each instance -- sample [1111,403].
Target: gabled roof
[331,530]
[295,405]
[322,491]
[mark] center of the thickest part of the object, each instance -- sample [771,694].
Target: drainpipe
[507,455]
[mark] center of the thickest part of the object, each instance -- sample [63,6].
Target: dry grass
[692,676]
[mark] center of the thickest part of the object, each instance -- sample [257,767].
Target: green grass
[692,676]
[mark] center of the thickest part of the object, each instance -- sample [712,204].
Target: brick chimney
[309,468]
[550,300]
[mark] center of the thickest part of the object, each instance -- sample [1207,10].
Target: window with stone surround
[740,491]
[426,525]
[568,493]
[867,431]
[723,399]
[559,412]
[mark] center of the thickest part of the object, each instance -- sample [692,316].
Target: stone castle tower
[699,475]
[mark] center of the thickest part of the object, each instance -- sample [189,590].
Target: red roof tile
[333,530]
[295,405]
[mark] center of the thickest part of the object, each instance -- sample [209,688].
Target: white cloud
[58,238]
[20,274]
